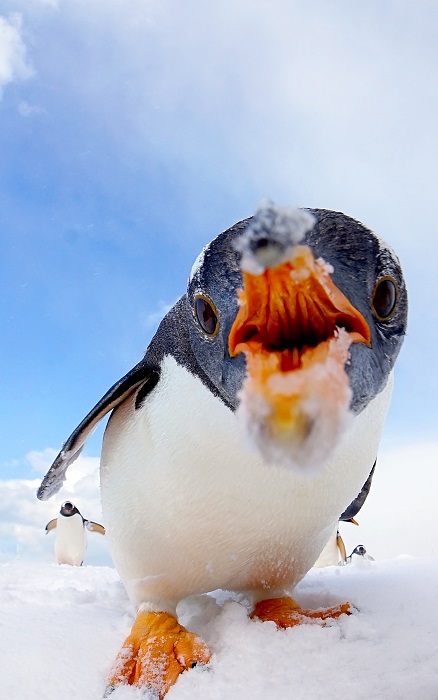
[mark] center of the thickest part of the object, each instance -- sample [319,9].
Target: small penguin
[334,551]
[359,553]
[71,536]
[251,423]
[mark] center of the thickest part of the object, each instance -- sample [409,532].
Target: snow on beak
[295,327]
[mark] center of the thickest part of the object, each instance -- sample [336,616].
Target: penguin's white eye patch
[384,298]
[206,315]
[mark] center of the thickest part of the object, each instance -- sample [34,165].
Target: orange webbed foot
[155,653]
[286,612]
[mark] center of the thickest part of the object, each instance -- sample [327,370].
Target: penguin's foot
[286,612]
[155,653]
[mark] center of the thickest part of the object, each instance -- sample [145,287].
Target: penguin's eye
[384,298]
[206,315]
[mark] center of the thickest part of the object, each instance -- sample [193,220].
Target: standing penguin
[334,551]
[359,553]
[71,535]
[250,425]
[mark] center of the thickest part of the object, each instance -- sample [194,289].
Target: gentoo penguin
[71,535]
[249,426]
[334,551]
[359,553]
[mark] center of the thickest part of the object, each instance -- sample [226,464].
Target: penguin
[334,552]
[359,553]
[251,423]
[71,535]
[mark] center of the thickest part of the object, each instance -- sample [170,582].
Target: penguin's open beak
[295,328]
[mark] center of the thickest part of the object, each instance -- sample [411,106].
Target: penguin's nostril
[260,243]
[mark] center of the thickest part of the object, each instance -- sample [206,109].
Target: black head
[364,268]
[68,509]
[359,550]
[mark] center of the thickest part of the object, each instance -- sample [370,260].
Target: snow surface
[61,628]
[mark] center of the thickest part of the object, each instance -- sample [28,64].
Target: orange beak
[295,327]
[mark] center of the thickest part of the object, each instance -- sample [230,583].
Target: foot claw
[155,653]
[285,612]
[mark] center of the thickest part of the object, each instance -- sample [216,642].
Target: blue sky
[132,133]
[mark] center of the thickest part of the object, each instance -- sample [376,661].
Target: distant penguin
[285,341]
[334,552]
[359,553]
[71,536]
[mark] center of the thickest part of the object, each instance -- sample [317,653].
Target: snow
[198,263]
[61,628]
[286,227]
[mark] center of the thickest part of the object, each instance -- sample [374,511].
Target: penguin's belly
[71,540]
[189,508]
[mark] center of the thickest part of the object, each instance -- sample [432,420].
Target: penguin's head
[68,509]
[297,317]
[359,550]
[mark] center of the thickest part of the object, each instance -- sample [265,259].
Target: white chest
[189,508]
[71,540]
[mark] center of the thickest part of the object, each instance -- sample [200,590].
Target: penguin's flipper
[141,374]
[286,612]
[341,547]
[354,507]
[94,527]
[155,653]
[51,525]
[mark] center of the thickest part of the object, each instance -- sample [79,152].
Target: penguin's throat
[295,328]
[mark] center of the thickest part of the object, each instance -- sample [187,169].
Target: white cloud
[154,318]
[27,110]
[306,104]
[40,460]
[14,64]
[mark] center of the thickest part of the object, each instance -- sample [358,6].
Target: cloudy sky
[132,133]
